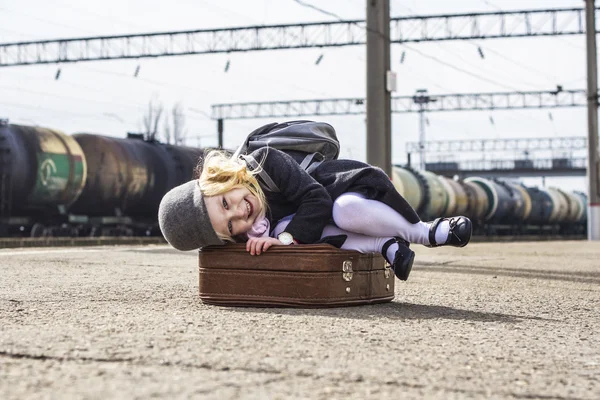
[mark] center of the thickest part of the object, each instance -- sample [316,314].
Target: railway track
[6,243]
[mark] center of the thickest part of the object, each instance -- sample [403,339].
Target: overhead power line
[480,49]
[404,104]
[322,11]
[425,28]
[459,69]
[436,59]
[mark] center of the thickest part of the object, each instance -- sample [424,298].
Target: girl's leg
[397,254]
[354,241]
[353,212]
[361,243]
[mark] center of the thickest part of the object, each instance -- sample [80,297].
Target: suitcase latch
[347,271]
[386,270]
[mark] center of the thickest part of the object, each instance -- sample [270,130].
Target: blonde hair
[221,173]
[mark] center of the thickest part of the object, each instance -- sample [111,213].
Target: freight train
[53,184]
[496,207]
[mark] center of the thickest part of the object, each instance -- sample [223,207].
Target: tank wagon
[53,184]
[495,206]
[42,172]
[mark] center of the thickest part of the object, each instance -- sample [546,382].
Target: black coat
[311,196]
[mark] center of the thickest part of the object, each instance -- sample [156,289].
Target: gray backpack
[308,142]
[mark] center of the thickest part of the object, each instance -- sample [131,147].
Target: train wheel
[38,230]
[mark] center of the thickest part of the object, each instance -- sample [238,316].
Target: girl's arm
[312,202]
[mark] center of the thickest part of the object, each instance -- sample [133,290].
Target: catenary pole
[379,111]
[422,161]
[593,166]
[220,132]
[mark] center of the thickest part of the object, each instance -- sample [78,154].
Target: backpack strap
[306,163]
[251,161]
[313,166]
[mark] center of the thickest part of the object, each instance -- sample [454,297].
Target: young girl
[347,203]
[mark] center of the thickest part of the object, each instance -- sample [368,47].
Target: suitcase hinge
[347,271]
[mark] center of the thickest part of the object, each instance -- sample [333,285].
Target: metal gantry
[538,167]
[423,28]
[493,101]
[403,104]
[516,144]
[289,108]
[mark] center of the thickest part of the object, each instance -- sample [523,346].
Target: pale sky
[105,98]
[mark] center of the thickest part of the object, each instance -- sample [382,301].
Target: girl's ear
[196,173]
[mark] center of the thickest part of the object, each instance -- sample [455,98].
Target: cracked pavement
[504,320]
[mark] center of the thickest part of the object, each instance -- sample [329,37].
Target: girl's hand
[257,245]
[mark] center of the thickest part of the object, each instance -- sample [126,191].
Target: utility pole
[593,166]
[422,162]
[379,107]
[220,132]
[421,98]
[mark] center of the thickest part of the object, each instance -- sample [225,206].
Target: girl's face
[233,213]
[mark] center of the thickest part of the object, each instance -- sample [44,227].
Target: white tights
[354,213]
[368,224]
[354,241]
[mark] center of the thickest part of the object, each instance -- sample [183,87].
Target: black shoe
[403,259]
[459,234]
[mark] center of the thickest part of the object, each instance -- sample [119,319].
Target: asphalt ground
[503,320]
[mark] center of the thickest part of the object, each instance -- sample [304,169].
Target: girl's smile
[250,208]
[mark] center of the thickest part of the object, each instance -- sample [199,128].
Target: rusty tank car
[42,172]
[53,184]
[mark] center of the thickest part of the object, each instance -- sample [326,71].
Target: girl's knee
[346,208]
[348,203]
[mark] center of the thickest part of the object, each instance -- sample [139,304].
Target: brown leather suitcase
[316,275]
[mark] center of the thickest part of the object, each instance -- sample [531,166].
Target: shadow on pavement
[396,310]
[568,276]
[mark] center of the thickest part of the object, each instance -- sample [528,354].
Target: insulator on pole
[57,74]
[137,71]
[550,116]
[402,57]
[227,66]
[492,120]
[480,50]
[319,59]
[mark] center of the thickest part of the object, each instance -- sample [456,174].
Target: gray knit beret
[183,218]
